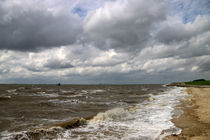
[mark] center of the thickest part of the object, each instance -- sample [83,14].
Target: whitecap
[149,120]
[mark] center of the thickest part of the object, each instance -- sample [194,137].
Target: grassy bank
[207,82]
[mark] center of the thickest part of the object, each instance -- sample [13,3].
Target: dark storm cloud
[56,64]
[196,46]
[124,25]
[205,65]
[35,69]
[31,26]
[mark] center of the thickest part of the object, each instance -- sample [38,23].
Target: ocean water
[137,112]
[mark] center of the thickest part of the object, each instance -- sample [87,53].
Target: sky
[104,41]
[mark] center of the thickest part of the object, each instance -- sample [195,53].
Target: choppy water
[98,111]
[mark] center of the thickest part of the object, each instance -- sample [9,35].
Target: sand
[195,122]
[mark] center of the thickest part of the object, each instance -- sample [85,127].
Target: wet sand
[195,122]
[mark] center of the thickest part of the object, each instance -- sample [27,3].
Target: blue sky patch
[81,12]
[189,9]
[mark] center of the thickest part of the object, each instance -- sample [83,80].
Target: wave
[149,120]
[5,97]
[96,91]
[11,90]
[110,115]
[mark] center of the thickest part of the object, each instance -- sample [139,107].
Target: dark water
[116,110]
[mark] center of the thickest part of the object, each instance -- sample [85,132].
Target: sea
[89,112]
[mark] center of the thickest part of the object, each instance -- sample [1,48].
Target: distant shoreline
[182,84]
[195,122]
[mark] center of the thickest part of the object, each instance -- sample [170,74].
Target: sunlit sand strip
[195,122]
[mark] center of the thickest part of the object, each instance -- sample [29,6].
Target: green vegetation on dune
[206,82]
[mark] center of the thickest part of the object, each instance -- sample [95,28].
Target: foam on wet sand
[195,122]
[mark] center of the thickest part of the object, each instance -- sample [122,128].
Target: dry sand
[195,122]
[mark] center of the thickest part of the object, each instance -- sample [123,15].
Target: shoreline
[195,121]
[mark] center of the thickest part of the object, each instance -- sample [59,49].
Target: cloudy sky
[104,41]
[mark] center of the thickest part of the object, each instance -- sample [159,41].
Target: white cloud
[173,29]
[124,25]
[130,39]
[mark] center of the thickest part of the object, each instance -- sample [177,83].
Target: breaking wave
[148,120]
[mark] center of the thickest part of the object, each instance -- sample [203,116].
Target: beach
[146,112]
[195,121]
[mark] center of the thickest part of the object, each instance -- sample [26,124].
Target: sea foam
[149,120]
